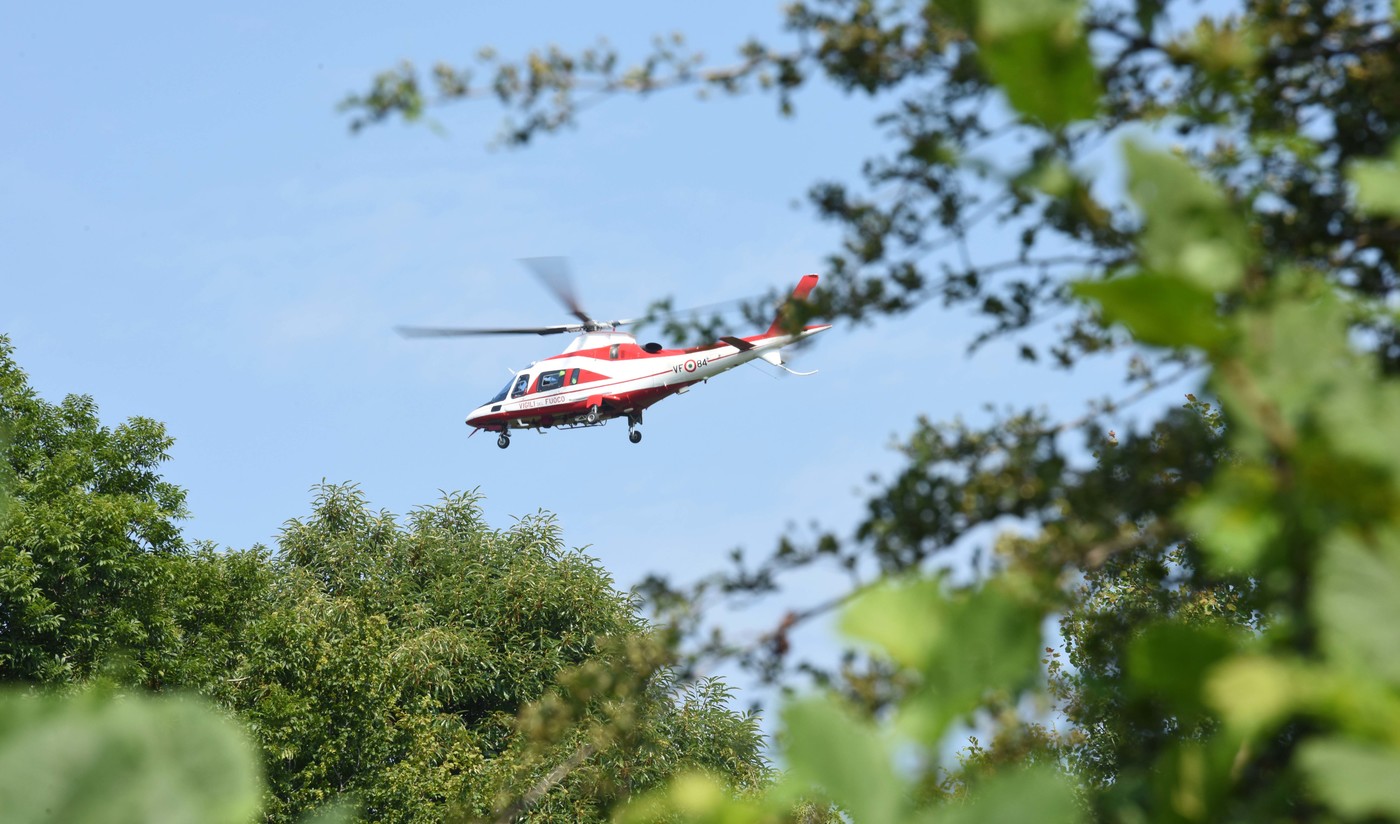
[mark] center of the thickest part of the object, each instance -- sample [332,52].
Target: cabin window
[521,384]
[612,350]
[550,380]
[573,377]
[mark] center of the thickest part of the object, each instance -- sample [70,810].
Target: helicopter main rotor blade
[458,332]
[553,272]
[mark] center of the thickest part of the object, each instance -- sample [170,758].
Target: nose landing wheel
[632,421]
[503,440]
[634,436]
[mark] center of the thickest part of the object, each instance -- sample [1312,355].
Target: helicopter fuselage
[606,374]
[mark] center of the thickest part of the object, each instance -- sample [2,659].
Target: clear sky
[190,233]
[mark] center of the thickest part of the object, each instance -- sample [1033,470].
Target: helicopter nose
[484,416]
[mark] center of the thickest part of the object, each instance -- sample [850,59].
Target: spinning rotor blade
[456,332]
[553,272]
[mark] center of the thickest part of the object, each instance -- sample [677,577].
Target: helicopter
[604,373]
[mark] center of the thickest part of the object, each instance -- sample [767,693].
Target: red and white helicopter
[604,374]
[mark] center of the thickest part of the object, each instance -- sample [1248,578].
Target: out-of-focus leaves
[1296,361]
[1236,520]
[1039,794]
[1356,779]
[1253,693]
[1191,231]
[1358,605]
[92,757]
[1164,311]
[1172,660]
[846,758]
[1377,184]
[963,645]
[1037,53]
[908,621]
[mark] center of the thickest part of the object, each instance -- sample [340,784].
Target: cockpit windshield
[501,395]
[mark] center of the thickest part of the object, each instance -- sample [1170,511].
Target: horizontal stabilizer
[738,343]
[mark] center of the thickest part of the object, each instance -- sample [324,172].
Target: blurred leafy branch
[1271,105]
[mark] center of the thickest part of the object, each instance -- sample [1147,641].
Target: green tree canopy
[430,669]
[430,666]
[83,543]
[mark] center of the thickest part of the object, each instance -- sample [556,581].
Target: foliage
[390,663]
[1272,105]
[1225,579]
[1275,697]
[89,525]
[433,669]
[97,757]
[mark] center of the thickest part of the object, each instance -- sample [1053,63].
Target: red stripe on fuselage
[636,399]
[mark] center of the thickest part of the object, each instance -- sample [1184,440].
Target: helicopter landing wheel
[503,440]
[593,414]
[634,436]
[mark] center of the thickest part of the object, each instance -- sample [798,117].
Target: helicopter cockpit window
[521,384]
[550,380]
[613,351]
[501,395]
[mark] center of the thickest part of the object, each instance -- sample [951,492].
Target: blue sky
[190,233]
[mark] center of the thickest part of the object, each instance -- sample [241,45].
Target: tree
[437,669]
[424,668]
[1221,576]
[89,527]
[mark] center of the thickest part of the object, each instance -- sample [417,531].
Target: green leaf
[1360,412]
[1358,605]
[1191,778]
[1297,357]
[101,758]
[1039,794]
[828,747]
[1036,51]
[1172,660]
[1159,310]
[1356,779]
[1191,230]
[906,621]
[1235,518]
[1253,693]
[965,644]
[1377,184]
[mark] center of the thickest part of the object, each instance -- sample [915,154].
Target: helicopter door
[521,384]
